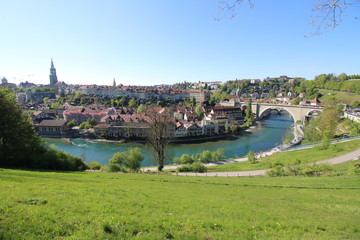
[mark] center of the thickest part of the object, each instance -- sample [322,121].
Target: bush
[72,123]
[129,160]
[251,157]
[194,167]
[93,165]
[298,169]
[114,167]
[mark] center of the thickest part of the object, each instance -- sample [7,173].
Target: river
[268,134]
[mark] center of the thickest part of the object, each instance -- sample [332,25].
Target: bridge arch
[297,112]
[266,110]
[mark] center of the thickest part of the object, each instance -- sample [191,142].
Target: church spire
[114,83]
[52,76]
[52,64]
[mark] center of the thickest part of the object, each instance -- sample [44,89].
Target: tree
[141,108]
[327,14]
[46,100]
[251,157]
[18,139]
[248,112]
[193,102]
[72,123]
[131,159]
[199,112]
[132,103]
[159,134]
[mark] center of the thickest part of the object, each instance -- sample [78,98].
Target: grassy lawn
[343,97]
[56,205]
[305,155]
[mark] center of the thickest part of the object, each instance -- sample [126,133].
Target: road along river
[268,134]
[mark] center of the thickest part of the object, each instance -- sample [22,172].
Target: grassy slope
[343,97]
[305,155]
[122,206]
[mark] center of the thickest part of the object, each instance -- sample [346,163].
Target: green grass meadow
[305,155]
[343,97]
[60,205]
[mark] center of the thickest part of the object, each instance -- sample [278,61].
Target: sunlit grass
[52,205]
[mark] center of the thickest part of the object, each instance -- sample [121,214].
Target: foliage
[248,112]
[18,139]
[199,112]
[297,168]
[323,127]
[251,157]
[93,165]
[129,160]
[88,124]
[46,100]
[132,103]
[72,123]
[192,167]
[204,157]
[141,108]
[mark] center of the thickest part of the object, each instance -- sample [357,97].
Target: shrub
[93,165]
[251,157]
[114,167]
[194,167]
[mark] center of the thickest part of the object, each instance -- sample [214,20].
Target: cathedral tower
[53,77]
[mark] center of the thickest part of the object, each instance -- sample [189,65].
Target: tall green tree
[18,139]
[248,112]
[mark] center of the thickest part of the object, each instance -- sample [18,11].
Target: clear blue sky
[147,42]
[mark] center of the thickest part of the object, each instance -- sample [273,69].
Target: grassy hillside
[55,205]
[343,97]
[306,156]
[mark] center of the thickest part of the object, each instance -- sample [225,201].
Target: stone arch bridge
[297,112]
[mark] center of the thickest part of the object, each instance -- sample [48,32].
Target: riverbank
[267,135]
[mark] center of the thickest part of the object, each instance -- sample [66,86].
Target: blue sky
[167,41]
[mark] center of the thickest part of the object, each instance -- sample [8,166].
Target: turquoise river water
[268,134]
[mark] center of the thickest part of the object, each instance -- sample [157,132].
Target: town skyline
[169,42]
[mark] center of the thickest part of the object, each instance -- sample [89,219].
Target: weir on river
[268,134]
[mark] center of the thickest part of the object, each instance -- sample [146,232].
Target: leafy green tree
[248,112]
[141,108]
[20,146]
[132,103]
[72,123]
[93,165]
[46,100]
[193,102]
[251,157]
[133,159]
[130,159]
[85,125]
[91,121]
[199,112]
[18,139]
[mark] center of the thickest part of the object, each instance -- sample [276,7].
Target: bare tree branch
[230,6]
[326,14]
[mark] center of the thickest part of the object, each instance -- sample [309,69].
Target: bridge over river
[298,112]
